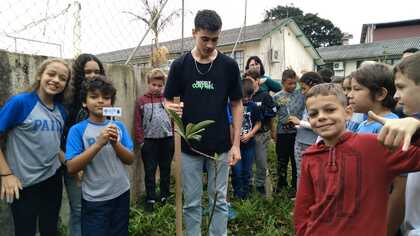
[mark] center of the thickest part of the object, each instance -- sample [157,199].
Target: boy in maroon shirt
[345,178]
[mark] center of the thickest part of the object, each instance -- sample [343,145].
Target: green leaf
[188,129]
[177,120]
[196,137]
[195,133]
[201,125]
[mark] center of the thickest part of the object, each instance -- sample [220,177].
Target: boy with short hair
[154,133]
[346,177]
[268,111]
[251,123]
[290,103]
[102,148]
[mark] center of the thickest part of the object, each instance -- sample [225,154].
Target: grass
[255,216]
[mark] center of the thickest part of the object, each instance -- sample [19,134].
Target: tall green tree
[320,31]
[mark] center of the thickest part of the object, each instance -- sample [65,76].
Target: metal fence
[65,28]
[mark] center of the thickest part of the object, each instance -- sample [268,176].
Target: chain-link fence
[64,28]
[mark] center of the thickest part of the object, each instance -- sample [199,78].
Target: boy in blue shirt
[251,123]
[101,148]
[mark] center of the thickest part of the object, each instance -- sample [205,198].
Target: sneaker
[150,205]
[231,212]
[163,200]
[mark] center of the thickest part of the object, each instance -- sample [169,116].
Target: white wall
[349,66]
[297,57]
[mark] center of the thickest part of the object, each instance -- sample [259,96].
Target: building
[390,30]
[384,42]
[279,44]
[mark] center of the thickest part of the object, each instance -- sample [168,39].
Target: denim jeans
[242,171]
[299,149]
[192,174]
[106,218]
[74,194]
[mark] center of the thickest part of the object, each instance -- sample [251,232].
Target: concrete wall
[17,72]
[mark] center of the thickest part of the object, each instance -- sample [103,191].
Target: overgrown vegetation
[255,216]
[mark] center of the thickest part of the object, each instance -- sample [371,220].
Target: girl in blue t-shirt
[33,123]
[373,89]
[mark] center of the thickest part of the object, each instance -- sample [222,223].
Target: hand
[177,108]
[234,155]
[396,131]
[113,133]
[10,186]
[79,177]
[262,80]
[109,133]
[294,120]
[274,135]
[246,137]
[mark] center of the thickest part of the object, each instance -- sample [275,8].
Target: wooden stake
[178,179]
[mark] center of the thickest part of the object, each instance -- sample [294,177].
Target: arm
[10,184]
[176,107]
[396,205]
[122,145]
[78,162]
[272,85]
[305,198]
[305,124]
[123,153]
[246,137]
[273,129]
[396,131]
[138,122]
[237,111]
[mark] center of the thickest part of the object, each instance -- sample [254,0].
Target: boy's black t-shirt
[205,97]
[252,114]
[267,106]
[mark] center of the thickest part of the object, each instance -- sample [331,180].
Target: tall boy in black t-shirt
[205,79]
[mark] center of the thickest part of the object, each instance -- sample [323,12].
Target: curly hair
[98,83]
[79,74]
[77,80]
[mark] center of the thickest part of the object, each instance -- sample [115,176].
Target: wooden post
[178,179]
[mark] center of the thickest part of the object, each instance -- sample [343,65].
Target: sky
[105,27]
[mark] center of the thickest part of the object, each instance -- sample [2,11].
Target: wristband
[4,175]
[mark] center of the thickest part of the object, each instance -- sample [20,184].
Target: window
[239,58]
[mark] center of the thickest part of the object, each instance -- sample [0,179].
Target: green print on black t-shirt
[201,84]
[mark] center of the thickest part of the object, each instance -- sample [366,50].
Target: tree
[150,11]
[321,32]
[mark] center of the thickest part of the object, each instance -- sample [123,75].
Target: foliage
[321,32]
[255,216]
[160,222]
